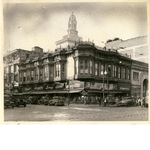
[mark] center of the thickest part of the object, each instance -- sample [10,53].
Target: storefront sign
[58,85]
[99,86]
[75,84]
[123,87]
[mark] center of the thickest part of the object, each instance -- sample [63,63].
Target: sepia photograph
[75,62]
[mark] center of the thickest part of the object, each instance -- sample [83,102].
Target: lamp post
[103,73]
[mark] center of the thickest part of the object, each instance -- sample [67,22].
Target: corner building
[81,63]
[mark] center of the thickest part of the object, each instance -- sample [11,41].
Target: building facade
[11,68]
[83,66]
[139,78]
[136,47]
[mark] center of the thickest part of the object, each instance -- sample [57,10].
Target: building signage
[123,87]
[74,84]
[99,86]
[58,85]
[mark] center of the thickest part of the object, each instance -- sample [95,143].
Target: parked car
[34,99]
[126,101]
[20,102]
[41,100]
[29,100]
[8,102]
[57,100]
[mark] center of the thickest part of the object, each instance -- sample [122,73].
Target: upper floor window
[124,73]
[16,78]
[114,71]
[37,73]
[96,69]
[119,73]
[91,67]
[28,75]
[76,67]
[136,76]
[81,66]
[31,75]
[86,66]
[128,74]
[24,76]
[15,68]
[27,56]
[102,67]
[63,70]
[57,73]
[45,71]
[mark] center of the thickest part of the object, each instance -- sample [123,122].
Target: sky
[42,24]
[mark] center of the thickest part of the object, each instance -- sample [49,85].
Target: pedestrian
[139,101]
[105,101]
[142,102]
[99,100]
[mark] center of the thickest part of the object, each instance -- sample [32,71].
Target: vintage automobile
[29,100]
[43,100]
[8,102]
[57,100]
[20,102]
[125,101]
[34,99]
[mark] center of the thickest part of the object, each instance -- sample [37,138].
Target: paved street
[76,112]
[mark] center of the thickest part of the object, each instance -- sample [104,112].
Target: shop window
[81,66]
[136,76]
[76,67]
[86,66]
[96,69]
[91,67]
[32,75]
[119,76]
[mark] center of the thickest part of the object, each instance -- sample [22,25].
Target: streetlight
[103,73]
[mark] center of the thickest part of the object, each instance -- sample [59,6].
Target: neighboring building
[72,37]
[136,47]
[11,69]
[139,78]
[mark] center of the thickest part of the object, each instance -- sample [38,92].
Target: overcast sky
[42,24]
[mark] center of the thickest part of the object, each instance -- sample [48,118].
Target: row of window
[38,73]
[11,69]
[88,67]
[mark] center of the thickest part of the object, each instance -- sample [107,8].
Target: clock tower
[72,37]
